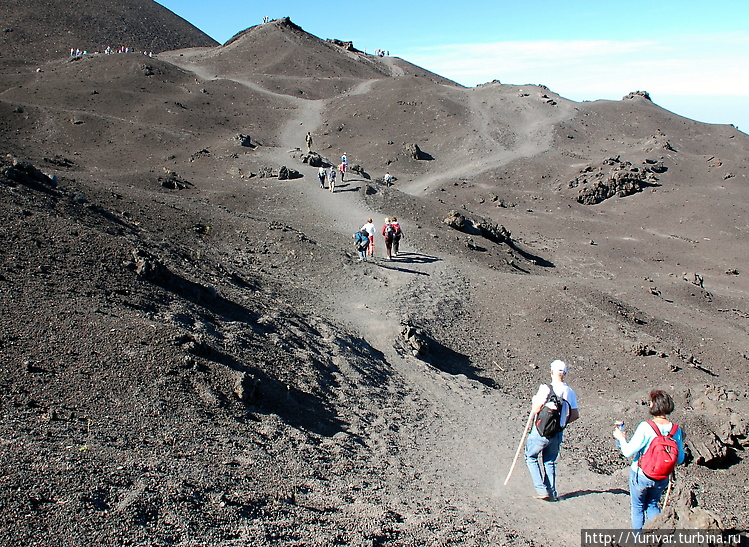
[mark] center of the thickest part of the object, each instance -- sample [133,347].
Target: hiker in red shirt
[388,232]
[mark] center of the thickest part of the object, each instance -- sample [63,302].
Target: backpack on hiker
[389,231]
[549,418]
[396,229]
[659,460]
[362,241]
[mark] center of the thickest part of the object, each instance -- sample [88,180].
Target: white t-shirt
[563,391]
[369,228]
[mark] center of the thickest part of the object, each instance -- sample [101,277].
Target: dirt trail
[461,446]
[485,149]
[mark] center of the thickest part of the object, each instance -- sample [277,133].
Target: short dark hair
[663,404]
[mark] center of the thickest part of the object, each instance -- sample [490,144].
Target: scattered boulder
[193,345]
[202,153]
[359,170]
[145,265]
[265,173]
[171,181]
[286,173]
[14,172]
[413,151]
[416,339]
[149,268]
[244,140]
[682,513]
[656,166]
[246,387]
[313,159]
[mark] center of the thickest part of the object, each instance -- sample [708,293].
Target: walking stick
[520,446]
[668,490]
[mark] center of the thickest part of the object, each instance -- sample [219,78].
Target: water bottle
[620,425]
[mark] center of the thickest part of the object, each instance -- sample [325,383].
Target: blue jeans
[543,451]
[645,494]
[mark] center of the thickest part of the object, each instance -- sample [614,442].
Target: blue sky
[691,56]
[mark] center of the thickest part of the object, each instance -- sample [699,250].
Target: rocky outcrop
[14,172]
[416,340]
[680,512]
[719,425]
[482,227]
[286,173]
[171,181]
[636,94]
[412,151]
[613,177]
[244,140]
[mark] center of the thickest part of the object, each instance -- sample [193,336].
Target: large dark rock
[613,178]
[483,227]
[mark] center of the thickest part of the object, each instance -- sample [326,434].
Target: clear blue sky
[691,56]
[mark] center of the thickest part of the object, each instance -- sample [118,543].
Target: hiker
[645,492]
[331,179]
[344,164]
[370,228]
[558,402]
[387,232]
[361,241]
[342,169]
[321,176]
[387,179]
[397,234]
[308,139]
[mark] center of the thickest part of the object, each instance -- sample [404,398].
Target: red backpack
[659,460]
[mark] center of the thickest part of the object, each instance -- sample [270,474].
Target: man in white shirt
[371,229]
[543,451]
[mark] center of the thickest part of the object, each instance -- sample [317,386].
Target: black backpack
[549,418]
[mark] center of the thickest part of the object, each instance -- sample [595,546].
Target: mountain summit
[43,30]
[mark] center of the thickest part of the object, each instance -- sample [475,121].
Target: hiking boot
[544,497]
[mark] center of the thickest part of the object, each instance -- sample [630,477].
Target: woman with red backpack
[657,446]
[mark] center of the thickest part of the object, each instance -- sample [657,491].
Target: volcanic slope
[36,30]
[192,353]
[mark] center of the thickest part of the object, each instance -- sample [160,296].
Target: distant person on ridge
[308,139]
[557,402]
[370,228]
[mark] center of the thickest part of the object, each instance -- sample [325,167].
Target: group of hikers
[324,175]
[364,239]
[330,176]
[657,445]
